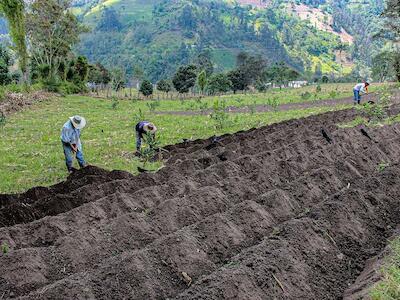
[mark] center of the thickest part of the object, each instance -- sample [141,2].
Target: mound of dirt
[14,102]
[278,212]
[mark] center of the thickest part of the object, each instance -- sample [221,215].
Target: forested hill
[152,38]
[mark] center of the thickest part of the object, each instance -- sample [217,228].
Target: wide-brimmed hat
[78,122]
[150,128]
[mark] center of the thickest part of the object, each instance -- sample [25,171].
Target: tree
[203,62]
[117,79]
[251,67]
[392,19]
[109,20]
[164,86]
[52,30]
[382,66]
[98,74]
[187,19]
[14,12]
[185,78]
[202,81]
[219,83]
[5,62]
[280,74]
[81,70]
[238,79]
[146,88]
[391,30]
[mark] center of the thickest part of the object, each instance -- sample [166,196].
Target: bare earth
[279,212]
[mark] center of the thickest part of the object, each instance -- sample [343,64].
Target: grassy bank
[389,287]
[32,153]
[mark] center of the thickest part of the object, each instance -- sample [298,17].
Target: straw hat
[78,122]
[150,128]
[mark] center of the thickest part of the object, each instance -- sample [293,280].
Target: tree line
[250,72]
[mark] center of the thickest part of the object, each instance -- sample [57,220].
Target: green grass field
[275,96]
[30,140]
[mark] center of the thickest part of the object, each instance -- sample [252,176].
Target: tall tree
[392,31]
[202,81]
[52,30]
[109,20]
[185,78]
[203,62]
[5,62]
[392,18]
[14,11]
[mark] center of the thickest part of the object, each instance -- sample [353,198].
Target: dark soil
[278,212]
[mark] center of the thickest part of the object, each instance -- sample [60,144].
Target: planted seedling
[239,101]
[4,248]
[382,166]
[3,119]
[147,212]
[153,104]
[139,116]
[274,103]
[253,107]
[149,150]
[306,95]
[114,103]
[219,115]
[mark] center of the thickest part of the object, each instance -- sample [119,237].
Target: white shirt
[360,87]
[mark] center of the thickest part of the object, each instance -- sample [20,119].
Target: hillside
[156,36]
[152,38]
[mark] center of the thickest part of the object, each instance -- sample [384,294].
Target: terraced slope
[279,212]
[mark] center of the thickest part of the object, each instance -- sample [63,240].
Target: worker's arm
[74,147]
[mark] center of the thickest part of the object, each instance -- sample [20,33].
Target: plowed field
[288,211]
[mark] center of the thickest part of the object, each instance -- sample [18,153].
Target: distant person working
[71,142]
[143,128]
[360,88]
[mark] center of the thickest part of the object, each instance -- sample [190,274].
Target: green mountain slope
[157,36]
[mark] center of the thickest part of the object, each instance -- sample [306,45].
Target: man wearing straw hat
[71,142]
[143,128]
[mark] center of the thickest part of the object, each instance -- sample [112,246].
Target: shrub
[219,115]
[149,149]
[164,86]
[146,88]
[305,95]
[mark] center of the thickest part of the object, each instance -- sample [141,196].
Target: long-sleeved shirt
[140,128]
[360,87]
[71,135]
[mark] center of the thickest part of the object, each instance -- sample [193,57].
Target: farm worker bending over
[71,142]
[358,89]
[143,128]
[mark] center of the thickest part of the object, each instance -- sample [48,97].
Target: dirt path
[278,212]
[283,107]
